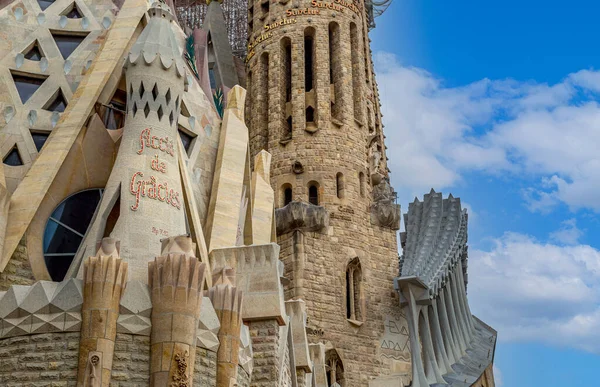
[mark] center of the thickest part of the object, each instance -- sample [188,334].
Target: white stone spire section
[143,200]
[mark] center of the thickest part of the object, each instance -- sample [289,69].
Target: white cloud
[547,133]
[568,234]
[533,291]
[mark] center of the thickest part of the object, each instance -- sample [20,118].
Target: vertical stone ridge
[103,283]
[176,281]
[227,301]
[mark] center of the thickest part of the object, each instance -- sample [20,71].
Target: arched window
[341,190]
[287,194]
[361,182]
[334,368]
[313,193]
[353,291]
[309,34]
[65,229]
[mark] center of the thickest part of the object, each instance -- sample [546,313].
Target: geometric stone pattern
[135,310]
[246,355]
[41,308]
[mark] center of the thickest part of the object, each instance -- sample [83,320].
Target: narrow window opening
[287,134]
[335,73]
[313,194]
[308,63]
[288,71]
[13,158]
[310,114]
[58,103]
[287,196]
[146,110]
[112,218]
[155,92]
[361,182]
[159,112]
[334,369]
[34,53]
[356,81]
[341,191]
[39,139]
[67,43]
[262,101]
[27,86]
[353,292]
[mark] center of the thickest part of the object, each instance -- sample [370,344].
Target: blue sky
[499,104]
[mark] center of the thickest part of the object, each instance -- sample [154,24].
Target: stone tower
[315,109]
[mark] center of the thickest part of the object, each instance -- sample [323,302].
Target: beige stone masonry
[30,192]
[258,273]
[104,280]
[176,280]
[263,200]
[225,201]
[317,355]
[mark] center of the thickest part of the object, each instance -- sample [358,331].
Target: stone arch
[287,194]
[335,368]
[354,291]
[313,193]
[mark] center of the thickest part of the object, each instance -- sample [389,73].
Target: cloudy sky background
[499,104]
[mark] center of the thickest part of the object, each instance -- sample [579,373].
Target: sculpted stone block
[263,199]
[245,356]
[257,270]
[317,356]
[135,309]
[301,216]
[296,310]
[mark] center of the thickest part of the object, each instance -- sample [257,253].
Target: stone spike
[262,165]
[236,98]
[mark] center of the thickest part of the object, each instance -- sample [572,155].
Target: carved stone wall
[18,270]
[49,357]
[131,362]
[205,368]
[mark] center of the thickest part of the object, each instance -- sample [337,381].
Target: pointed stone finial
[262,165]
[236,98]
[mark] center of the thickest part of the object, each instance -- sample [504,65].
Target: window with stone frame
[340,185]
[286,194]
[354,310]
[362,184]
[335,369]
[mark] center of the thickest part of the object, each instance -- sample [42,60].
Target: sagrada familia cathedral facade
[197,194]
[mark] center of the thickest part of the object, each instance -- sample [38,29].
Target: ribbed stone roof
[436,237]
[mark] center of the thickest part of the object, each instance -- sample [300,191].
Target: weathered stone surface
[301,216]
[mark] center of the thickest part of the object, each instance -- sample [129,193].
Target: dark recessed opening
[265,7]
[287,199]
[310,114]
[13,158]
[39,139]
[74,13]
[34,53]
[58,104]
[308,63]
[67,43]
[313,195]
[27,86]
[186,139]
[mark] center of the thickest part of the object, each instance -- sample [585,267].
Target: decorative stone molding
[135,309]
[176,281]
[258,274]
[384,211]
[301,216]
[43,307]
[227,301]
[104,279]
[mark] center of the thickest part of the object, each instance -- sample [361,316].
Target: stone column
[461,280]
[104,279]
[227,301]
[449,337]
[429,348]
[176,280]
[453,320]
[412,317]
[460,316]
[317,355]
[441,351]
[296,309]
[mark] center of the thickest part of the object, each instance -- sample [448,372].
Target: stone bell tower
[315,108]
